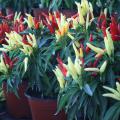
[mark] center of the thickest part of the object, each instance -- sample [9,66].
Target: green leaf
[64,97]
[72,112]
[53,5]
[68,3]
[117,115]
[82,100]
[62,102]
[112,112]
[110,76]
[59,3]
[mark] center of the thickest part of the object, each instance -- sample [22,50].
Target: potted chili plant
[12,48]
[12,87]
[37,67]
[96,65]
[40,94]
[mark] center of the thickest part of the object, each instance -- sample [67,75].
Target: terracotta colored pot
[68,13]
[17,107]
[37,12]
[44,109]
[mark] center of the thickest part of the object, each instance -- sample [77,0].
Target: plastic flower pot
[68,13]
[17,107]
[44,109]
[38,13]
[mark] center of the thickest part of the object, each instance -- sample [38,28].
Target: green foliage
[12,78]
[18,5]
[2,98]
[113,112]
[81,95]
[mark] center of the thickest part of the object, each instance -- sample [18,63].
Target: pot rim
[38,98]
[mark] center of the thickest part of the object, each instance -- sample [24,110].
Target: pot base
[45,110]
[17,107]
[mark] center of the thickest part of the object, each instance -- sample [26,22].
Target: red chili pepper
[21,18]
[37,26]
[15,26]
[119,28]
[91,38]
[63,69]
[45,15]
[114,29]
[7,59]
[25,41]
[57,14]
[36,23]
[101,18]
[21,27]
[54,23]
[1,30]
[95,63]
[6,27]
[104,30]
[61,66]
[87,50]
[52,31]
[82,59]
[51,22]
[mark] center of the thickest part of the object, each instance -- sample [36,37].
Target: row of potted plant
[53,5]
[80,52]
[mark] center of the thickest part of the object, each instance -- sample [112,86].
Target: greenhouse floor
[6,116]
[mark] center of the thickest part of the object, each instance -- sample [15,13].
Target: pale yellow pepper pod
[81,17]
[77,65]
[76,51]
[108,49]
[29,21]
[60,77]
[103,67]
[92,69]
[84,7]
[71,68]
[3,66]
[110,41]
[118,86]
[81,53]
[95,49]
[17,16]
